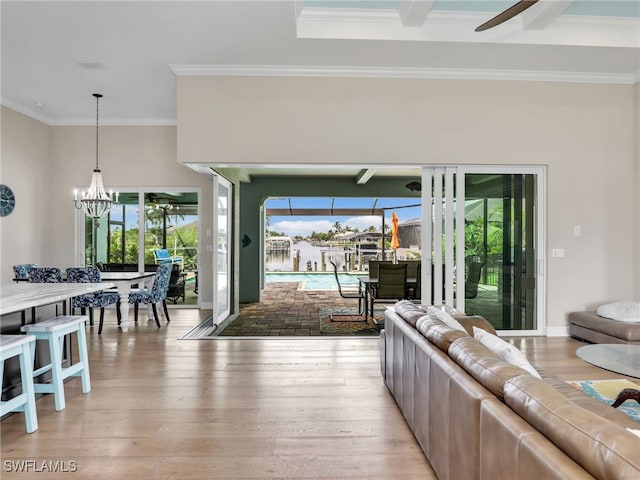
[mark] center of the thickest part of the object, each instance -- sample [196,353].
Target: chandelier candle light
[95,202]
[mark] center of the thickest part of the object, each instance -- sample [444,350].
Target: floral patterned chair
[158,293]
[45,275]
[91,300]
[21,272]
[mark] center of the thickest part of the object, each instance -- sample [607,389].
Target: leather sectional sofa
[477,417]
[593,328]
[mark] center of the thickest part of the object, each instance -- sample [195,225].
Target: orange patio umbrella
[395,240]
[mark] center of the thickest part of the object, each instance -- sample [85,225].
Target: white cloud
[307,227]
[301,227]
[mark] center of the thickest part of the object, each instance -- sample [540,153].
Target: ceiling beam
[413,13]
[365,175]
[543,13]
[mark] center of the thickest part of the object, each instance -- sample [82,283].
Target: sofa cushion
[438,333]
[445,317]
[621,311]
[483,364]
[468,322]
[506,351]
[408,311]
[606,450]
[592,327]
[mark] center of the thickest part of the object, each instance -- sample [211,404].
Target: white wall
[636,134]
[63,160]
[584,133]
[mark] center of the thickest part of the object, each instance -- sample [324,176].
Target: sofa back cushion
[606,450]
[482,364]
[441,335]
[408,311]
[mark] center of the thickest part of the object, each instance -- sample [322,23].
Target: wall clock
[7,200]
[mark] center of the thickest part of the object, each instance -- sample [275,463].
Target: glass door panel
[500,243]
[222,258]
[125,241]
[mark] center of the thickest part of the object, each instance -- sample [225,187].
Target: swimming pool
[314,280]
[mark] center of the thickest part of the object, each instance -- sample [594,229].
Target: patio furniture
[473,278]
[54,331]
[177,283]
[158,293]
[96,299]
[348,293]
[391,285]
[20,346]
[161,255]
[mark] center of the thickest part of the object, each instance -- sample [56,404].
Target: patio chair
[98,299]
[176,287]
[391,286]
[158,293]
[347,292]
[161,255]
[473,278]
[374,265]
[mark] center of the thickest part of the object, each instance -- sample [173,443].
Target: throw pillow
[622,311]
[504,350]
[445,318]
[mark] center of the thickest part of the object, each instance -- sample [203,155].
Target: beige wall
[584,133]
[129,156]
[26,168]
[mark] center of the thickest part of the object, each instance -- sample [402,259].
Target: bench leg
[26,374]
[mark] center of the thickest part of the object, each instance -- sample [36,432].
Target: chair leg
[166,310]
[155,314]
[101,322]
[135,312]
[91,316]
[118,312]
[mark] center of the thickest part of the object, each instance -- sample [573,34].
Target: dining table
[124,282]
[18,297]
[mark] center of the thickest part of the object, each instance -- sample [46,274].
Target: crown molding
[113,122]
[401,72]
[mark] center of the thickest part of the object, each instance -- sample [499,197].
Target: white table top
[15,297]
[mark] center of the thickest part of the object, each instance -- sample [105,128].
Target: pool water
[315,281]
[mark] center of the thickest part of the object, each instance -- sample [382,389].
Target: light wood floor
[164,408]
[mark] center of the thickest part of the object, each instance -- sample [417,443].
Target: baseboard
[557,331]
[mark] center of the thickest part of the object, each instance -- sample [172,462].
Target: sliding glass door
[143,222]
[485,231]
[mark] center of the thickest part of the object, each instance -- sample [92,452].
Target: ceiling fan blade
[510,12]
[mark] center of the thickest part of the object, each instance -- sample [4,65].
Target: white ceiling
[56,54]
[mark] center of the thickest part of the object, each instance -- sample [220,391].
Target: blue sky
[293,225]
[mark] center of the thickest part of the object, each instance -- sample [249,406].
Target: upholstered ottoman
[597,329]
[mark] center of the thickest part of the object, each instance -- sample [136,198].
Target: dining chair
[391,285]
[91,300]
[349,293]
[158,293]
[21,272]
[45,275]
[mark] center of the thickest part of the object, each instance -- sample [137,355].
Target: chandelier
[95,202]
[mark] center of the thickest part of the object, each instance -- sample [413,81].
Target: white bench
[54,331]
[20,346]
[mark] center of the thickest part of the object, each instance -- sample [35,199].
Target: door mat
[344,326]
[606,391]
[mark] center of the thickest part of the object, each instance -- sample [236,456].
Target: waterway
[311,256]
